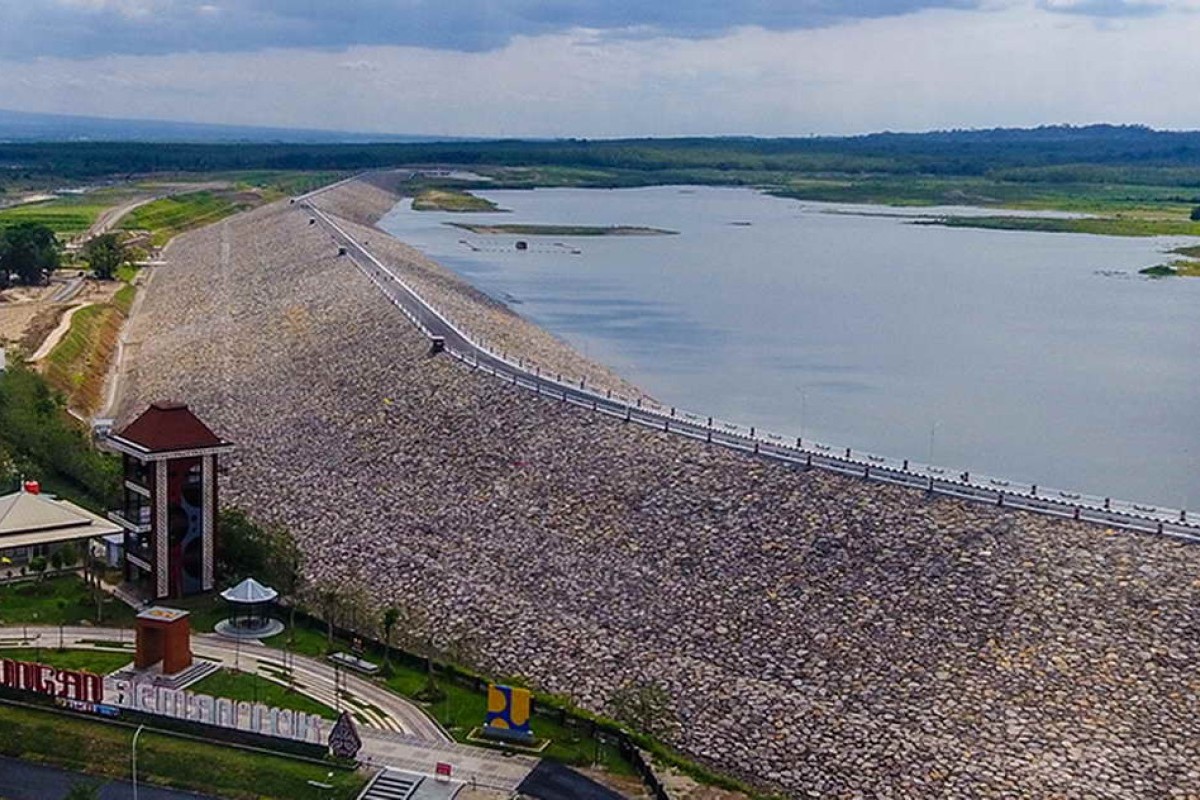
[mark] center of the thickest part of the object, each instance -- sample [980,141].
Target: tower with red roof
[169,500]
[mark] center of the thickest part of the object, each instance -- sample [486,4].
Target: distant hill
[22,126]
[34,145]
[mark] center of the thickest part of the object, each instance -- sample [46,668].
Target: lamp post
[932,431]
[803,412]
[136,734]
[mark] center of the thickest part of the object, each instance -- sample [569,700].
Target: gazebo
[249,611]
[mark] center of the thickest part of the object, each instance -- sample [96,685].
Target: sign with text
[88,708]
[220,711]
[31,676]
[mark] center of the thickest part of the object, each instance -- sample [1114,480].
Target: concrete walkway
[395,732]
[56,335]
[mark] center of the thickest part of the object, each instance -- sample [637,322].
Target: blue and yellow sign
[508,712]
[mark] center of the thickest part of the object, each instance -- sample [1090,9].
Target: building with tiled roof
[31,523]
[169,500]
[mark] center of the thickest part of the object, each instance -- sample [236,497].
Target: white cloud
[1016,64]
[129,9]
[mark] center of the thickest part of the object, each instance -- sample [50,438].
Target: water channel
[1042,357]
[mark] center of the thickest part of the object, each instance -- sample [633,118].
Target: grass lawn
[304,641]
[66,217]
[69,215]
[94,661]
[61,600]
[204,610]
[103,749]
[172,215]
[1105,226]
[245,686]
[126,273]
[563,230]
[123,299]
[451,200]
[275,182]
[78,364]
[464,709]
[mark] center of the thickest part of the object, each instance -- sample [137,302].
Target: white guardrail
[903,472]
[808,454]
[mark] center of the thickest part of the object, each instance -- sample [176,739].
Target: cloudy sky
[607,67]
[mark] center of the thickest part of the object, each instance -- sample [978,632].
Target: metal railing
[802,453]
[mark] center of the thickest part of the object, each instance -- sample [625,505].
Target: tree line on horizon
[1133,154]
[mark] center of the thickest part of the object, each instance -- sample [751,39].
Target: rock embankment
[357,205]
[826,636]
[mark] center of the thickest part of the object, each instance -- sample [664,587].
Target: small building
[34,524]
[169,500]
[250,605]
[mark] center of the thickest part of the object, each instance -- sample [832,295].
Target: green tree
[244,551]
[44,440]
[38,564]
[68,554]
[267,553]
[56,560]
[285,569]
[329,598]
[105,254]
[391,615]
[29,250]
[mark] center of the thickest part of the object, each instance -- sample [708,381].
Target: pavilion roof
[28,519]
[249,591]
[166,426]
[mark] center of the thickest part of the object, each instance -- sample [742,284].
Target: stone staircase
[392,784]
[199,670]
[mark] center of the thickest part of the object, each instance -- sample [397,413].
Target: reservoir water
[1036,356]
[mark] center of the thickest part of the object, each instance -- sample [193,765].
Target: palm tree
[391,616]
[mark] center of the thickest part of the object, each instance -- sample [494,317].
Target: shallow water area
[1042,357]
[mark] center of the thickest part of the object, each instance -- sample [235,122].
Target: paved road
[554,781]
[21,780]
[395,732]
[109,217]
[379,708]
[67,292]
[806,454]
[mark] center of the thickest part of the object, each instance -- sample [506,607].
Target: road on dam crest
[801,454]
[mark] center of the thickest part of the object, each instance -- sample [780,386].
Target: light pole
[136,734]
[803,412]
[932,431]
[337,685]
